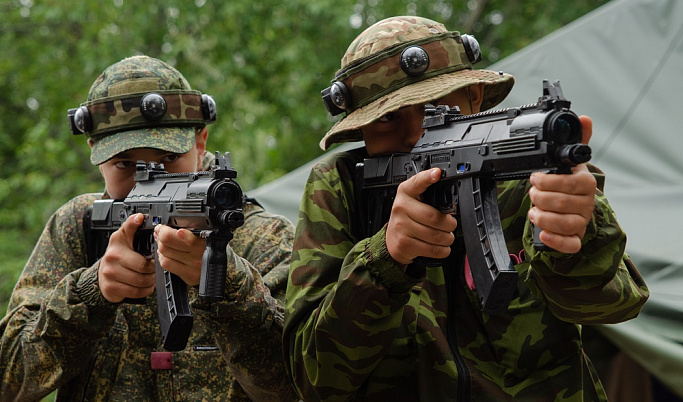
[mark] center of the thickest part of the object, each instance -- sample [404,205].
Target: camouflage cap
[377,85]
[118,127]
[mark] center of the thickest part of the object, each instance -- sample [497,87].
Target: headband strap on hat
[403,61]
[369,79]
[177,108]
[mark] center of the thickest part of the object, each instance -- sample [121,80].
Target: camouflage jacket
[60,333]
[358,328]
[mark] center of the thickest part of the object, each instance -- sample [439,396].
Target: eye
[388,117]
[124,164]
[170,158]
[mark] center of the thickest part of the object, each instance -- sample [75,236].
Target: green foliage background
[264,62]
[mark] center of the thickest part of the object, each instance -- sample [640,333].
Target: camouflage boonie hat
[115,118]
[377,85]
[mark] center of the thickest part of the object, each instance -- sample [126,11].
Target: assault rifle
[473,152]
[207,203]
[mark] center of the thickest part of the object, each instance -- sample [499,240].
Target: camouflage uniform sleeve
[345,297]
[248,323]
[599,284]
[56,313]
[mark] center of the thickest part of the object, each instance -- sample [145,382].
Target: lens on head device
[153,107]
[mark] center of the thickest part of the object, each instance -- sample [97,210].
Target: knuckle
[435,238]
[587,213]
[574,245]
[142,281]
[397,209]
[434,218]
[117,236]
[592,182]
[570,225]
[162,260]
[193,239]
[111,256]
[162,234]
[403,242]
[442,238]
[161,247]
[571,186]
[565,226]
[581,234]
[453,225]
[537,198]
[405,186]
[106,290]
[440,252]
[144,265]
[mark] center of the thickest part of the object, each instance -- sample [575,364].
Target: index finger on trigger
[418,184]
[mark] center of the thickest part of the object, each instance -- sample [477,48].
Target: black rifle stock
[207,203]
[473,152]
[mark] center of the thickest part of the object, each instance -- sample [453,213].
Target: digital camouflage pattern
[60,333]
[371,71]
[358,328]
[118,126]
[137,74]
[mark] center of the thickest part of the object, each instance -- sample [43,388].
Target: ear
[91,142]
[476,96]
[200,144]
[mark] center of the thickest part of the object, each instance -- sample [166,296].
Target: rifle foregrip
[214,268]
[565,169]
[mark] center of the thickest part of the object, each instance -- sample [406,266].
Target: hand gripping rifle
[208,203]
[474,152]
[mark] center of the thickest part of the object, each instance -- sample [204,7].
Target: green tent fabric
[621,65]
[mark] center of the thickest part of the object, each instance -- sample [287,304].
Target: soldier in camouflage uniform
[364,322]
[66,328]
